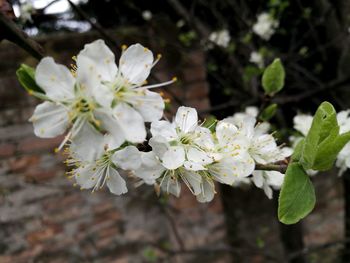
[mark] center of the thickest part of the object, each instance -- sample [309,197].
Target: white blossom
[147,15]
[26,10]
[265,26]
[221,38]
[257,59]
[96,161]
[268,180]
[98,92]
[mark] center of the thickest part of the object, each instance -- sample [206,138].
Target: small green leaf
[26,76]
[324,127]
[150,254]
[273,77]
[328,151]
[297,197]
[298,151]
[268,112]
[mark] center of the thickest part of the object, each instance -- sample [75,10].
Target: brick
[7,150]
[195,58]
[20,164]
[194,74]
[202,104]
[197,90]
[42,235]
[40,175]
[16,132]
[34,144]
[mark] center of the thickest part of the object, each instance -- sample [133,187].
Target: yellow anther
[74,58]
[145,49]
[30,92]
[174,79]
[167,100]
[56,150]
[124,47]
[159,56]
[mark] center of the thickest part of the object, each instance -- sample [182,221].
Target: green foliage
[273,77]
[318,151]
[250,72]
[150,254]
[323,142]
[297,197]
[26,76]
[268,112]
[187,38]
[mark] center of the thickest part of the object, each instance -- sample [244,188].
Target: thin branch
[272,167]
[93,24]
[16,35]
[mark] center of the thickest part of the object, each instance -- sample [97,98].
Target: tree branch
[272,167]
[14,34]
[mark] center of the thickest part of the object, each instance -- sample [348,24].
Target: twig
[173,226]
[272,167]
[17,36]
[94,25]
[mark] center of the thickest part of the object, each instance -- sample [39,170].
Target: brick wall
[43,218]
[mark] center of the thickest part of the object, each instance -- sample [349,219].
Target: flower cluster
[183,151]
[220,38]
[265,26]
[302,123]
[102,108]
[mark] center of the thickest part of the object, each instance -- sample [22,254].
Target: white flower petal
[302,123]
[274,179]
[171,185]
[204,138]
[130,122]
[85,176]
[164,129]
[226,133]
[159,145]
[198,156]
[135,63]
[208,191]
[174,157]
[258,178]
[268,191]
[98,60]
[115,182]
[150,169]
[89,145]
[191,166]
[149,104]
[55,79]
[193,181]
[49,120]
[111,125]
[186,119]
[128,158]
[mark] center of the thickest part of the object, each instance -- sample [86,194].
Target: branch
[14,34]
[93,24]
[272,167]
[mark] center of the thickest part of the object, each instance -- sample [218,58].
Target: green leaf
[298,151]
[273,77]
[328,151]
[26,76]
[324,128]
[297,197]
[268,112]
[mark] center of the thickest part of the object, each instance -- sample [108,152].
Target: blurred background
[218,50]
